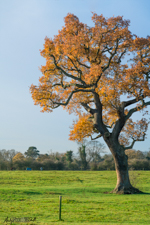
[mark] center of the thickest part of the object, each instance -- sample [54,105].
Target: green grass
[84,201]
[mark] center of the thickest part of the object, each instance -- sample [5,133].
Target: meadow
[85,198]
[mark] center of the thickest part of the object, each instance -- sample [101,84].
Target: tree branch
[133,142]
[130,102]
[112,55]
[100,135]
[110,126]
[98,120]
[68,85]
[135,109]
[119,60]
[64,72]
[78,70]
[87,108]
[70,96]
[82,64]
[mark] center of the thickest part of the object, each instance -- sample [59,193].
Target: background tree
[94,150]
[133,154]
[82,156]
[32,152]
[42,157]
[148,154]
[83,66]
[19,161]
[69,156]
[18,156]
[6,158]
[107,163]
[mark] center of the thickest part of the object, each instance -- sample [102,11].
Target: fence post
[60,198]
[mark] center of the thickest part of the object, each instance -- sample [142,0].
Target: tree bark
[123,185]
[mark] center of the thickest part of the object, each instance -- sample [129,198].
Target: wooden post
[60,198]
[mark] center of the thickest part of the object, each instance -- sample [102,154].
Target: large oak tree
[101,73]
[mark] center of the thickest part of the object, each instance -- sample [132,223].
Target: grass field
[84,201]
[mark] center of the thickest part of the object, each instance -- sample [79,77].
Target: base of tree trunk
[124,190]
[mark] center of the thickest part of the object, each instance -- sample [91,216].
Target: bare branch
[135,109]
[100,135]
[133,142]
[130,102]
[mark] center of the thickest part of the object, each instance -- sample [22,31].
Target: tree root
[129,190]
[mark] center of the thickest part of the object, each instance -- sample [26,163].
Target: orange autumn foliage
[82,128]
[18,156]
[83,62]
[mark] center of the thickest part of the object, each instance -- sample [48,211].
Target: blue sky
[23,27]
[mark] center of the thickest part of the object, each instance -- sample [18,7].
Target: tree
[6,157]
[69,156]
[18,156]
[89,154]
[133,154]
[87,73]
[42,157]
[19,161]
[93,150]
[32,152]
[82,155]
[148,154]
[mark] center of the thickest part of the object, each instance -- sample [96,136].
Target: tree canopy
[83,60]
[32,152]
[101,73]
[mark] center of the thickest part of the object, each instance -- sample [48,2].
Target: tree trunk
[123,185]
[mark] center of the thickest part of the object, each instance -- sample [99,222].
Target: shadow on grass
[53,193]
[41,193]
[32,192]
[140,193]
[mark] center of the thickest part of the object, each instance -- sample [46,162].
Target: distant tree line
[90,156]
